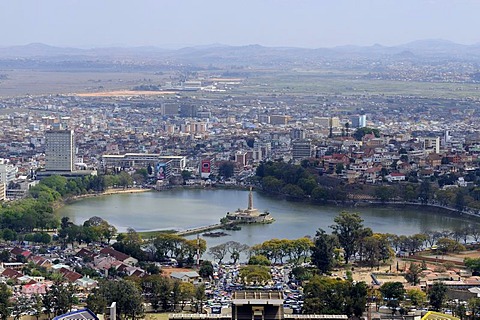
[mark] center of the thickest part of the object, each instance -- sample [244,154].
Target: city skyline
[309,24]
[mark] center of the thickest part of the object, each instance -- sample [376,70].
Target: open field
[263,82]
[37,82]
[123,93]
[352,83]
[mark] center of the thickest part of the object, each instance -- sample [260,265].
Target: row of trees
[163,293]
[93,230]
[162,247]
[301,182]
[36,212]
[274,250]
[359,243]
[324,295]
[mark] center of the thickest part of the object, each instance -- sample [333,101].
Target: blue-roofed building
[77,315]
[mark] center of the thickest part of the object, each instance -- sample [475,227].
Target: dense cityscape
[245,181]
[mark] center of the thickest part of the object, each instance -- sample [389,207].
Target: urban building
[170,109]
[301,149]
[188,110]
[257,305]
[134,160]
[359,121]
[432,144]
[8,171]
[59,150]
[298,134]
[279,119]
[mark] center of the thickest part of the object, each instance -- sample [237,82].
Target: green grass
[153,234]
[352,83]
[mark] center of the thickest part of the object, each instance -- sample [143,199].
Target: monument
[249,215]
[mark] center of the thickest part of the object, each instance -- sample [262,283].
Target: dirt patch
[123,93]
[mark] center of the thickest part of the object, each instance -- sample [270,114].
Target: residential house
[119,256]
[186,276]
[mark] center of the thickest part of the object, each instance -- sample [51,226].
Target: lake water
[188,208]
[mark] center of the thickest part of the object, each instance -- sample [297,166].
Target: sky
[279,23]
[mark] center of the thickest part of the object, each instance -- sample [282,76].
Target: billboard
[161,170]
[206,168]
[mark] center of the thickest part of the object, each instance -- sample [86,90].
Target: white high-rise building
[8,172]
[60,150]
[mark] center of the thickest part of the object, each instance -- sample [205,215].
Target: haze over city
[175,24]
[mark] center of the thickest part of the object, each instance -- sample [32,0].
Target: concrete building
[327,122]
[297,133]
[132,160]
[279,119]
[59,150]
[301,149]
[432,144]
[170,109]
[8,172]
[256,305]
[188,110]
[359,121]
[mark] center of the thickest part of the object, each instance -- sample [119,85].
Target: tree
[226,169]
[157,288]
[347,226]
[200,296]
[384,193]
[437,295]
[413,274]
[323,252]
[417,297]
[206,269]
[474,306]
[473,264]
[124,179]
[256,275]
[425,191]
[393,292]
[339,167]
[186,292]
[235,249]
[219,252]
[325,295]
[37,305]
[5,295]
[446,245]
[361,132]
[60,298]
[125,293]
[259,260]
[376,248]
[460,200]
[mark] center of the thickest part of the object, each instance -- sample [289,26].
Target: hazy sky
[176,23]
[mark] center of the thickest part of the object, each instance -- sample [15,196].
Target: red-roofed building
[118,255]
[11,274]
[71,276]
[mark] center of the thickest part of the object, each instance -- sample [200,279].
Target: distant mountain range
[440,49]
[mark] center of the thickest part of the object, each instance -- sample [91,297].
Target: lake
[188,208]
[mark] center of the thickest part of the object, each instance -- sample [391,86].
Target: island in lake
[249,215]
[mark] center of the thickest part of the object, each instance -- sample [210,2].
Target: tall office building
[297,133]
[301,149]
[188,111]
[359,121]
[60,150]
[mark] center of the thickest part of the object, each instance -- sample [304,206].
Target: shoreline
[108,192]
